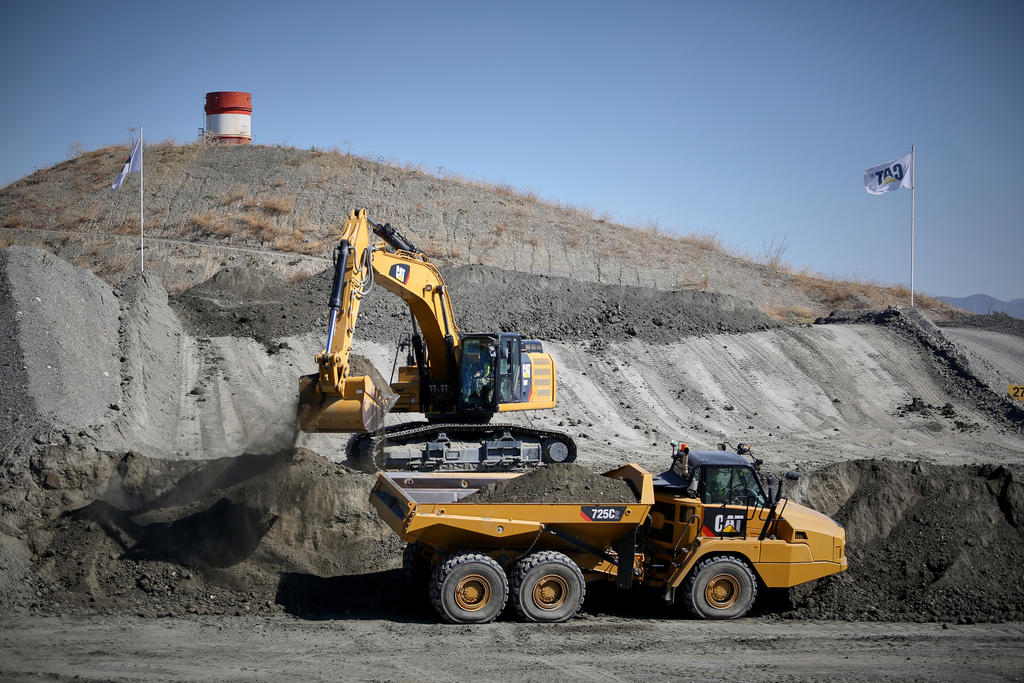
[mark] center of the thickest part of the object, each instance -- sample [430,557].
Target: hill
[985,304]
[210,206]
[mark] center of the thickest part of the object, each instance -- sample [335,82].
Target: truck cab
[718,533]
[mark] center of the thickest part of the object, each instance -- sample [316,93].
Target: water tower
[229,117]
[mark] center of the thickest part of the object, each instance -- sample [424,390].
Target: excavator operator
[476,376]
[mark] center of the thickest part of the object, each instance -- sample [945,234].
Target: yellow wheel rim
[473,592]
[550,592]
[722,591]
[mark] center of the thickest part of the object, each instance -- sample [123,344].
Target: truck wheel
[415,567]
[547,587]
[469,588]
[721,588]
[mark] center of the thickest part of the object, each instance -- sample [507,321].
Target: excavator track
[429,446]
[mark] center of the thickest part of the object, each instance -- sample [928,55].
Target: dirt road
[592,648]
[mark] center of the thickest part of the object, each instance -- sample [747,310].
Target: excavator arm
[334,400]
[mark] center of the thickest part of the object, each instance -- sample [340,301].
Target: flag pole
[913,182]
[141,213]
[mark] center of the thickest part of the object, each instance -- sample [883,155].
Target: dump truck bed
[428,508]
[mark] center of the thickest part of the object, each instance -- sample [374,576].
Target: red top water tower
[229,117]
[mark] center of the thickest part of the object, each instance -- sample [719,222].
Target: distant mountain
[983,303]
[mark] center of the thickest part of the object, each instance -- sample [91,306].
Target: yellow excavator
[459,381]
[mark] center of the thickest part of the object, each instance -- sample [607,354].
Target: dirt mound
[200,536]
[63,330]
[997,322]
[484,298]
[557,483]
[544,307]
[17,410]
[925,542]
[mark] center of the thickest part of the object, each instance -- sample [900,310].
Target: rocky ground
[151,469]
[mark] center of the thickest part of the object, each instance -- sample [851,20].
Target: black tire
[415,566]
[721,587]
[469,588]
[547,587]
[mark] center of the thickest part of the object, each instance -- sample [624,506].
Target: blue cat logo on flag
[400,272]
[891,176]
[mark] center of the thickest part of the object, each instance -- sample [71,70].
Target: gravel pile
[925,542]
[253,302]
[62,337]
[160,537]
[557,483]
[997,322]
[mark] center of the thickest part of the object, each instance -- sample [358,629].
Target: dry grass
[261,226]
[113,267]
[704,240]
[129,225]
[271,205]
[791,314]
[212,223]
[858,294]
[90,214]
[297,241]
[232,197]
[6,240]
[13,220]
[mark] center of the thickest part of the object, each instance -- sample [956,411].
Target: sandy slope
[800,395]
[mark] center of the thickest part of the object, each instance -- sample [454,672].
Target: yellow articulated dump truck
[705,531]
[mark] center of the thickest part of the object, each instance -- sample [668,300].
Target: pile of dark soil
[253,302]
[126,532]
[925,542]
[557,483]
[997,322]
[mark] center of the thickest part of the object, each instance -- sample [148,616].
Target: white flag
[132,165]
[891,176]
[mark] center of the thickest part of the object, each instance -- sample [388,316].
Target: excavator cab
[495,372]
[477,374]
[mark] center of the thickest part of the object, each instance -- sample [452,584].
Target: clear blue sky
[749,120]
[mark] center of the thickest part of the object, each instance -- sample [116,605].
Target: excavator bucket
[360,406]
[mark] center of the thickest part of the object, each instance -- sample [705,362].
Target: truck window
[731,485]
